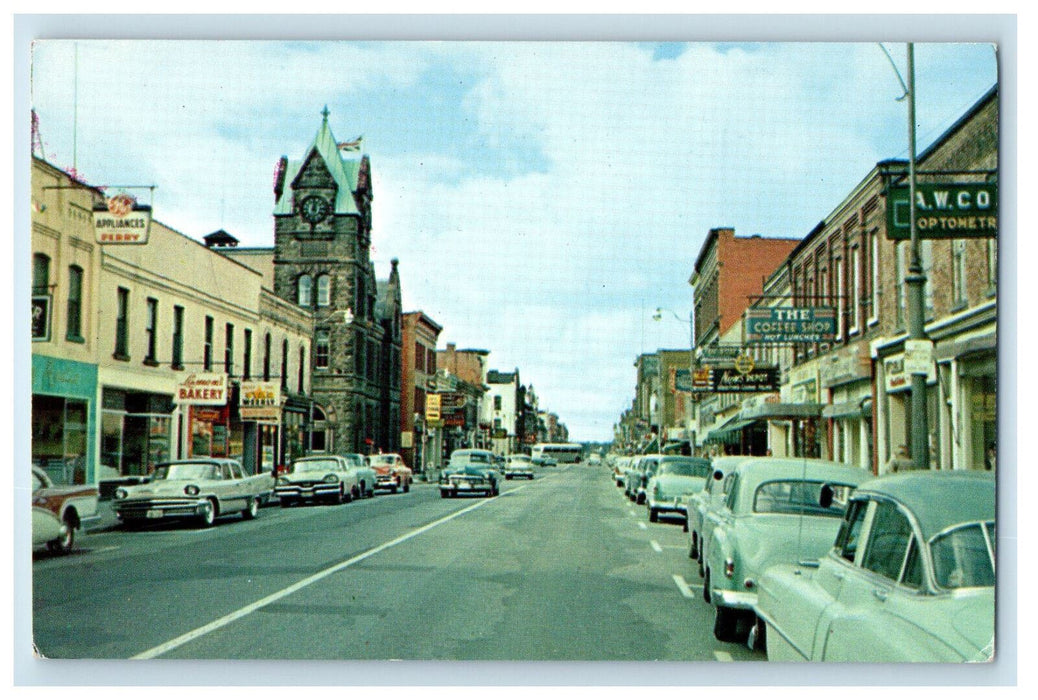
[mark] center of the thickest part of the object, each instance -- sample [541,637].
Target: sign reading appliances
[790,324]
[203,389]
[120,220]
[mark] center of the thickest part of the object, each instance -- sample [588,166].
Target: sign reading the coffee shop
[790,324]
[202,389]
[259,400]
[120,220]
[944,210]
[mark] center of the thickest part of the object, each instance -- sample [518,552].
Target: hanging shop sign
[680,379]
[944,210]
[259,401]
[718,353]
[120,220]
[728,380]
[897,374]
[432,408]
[791,324]
[41,317]
[202,389]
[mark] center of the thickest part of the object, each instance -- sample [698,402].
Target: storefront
[136,431]
[846,378]
[968,373]
[894,412]
[63,419]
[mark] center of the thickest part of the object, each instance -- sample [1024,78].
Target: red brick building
[418,368]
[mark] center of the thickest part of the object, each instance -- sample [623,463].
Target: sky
[543,198]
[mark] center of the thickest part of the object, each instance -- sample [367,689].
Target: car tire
[684,526]
[759,631]
[654,515]
[251,510]
[208,516]
[693,550]
[706,585]
[63,544]
[727,622]
[508,477]
[407,486]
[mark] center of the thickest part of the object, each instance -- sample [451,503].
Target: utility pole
[915,281]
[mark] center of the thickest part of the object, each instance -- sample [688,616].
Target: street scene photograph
[493,351]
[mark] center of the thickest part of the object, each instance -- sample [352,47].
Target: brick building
[418,369]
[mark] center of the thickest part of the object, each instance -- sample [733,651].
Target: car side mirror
[825,496]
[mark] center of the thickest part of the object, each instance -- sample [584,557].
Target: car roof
[754,468]
[939,499]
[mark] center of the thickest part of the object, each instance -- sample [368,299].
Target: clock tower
[322,243]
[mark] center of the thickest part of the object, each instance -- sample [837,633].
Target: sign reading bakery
[120,220]
[202,389]
[259,401]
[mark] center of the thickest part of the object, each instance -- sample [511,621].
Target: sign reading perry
[790,324]
[948,210]
[120,220]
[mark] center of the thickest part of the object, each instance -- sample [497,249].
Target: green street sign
[944,210]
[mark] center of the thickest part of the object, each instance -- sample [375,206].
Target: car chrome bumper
[301,492]
[668,507]
[164,508]
[733,599]
[465,487]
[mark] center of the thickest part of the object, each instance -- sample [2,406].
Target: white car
[58,511]
[318,478]
[518,466]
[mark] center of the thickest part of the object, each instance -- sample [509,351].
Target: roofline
[424,317]
[960,122]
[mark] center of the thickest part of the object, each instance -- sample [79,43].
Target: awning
[783,411]
[961,348]
[849,409]
[730,429]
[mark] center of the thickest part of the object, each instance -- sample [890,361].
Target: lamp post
[691,365]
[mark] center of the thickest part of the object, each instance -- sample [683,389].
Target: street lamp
[657,316]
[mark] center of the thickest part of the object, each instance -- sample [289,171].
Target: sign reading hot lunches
[259,400]
[203,389]
[790,324]
[121,221]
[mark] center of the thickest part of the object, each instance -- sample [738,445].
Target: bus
[561,452]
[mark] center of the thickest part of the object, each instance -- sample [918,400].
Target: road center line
[683,586]
[656,546]
[722,656]
[299,585]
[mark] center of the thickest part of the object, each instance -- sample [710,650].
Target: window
[841,299]
[151,330]
[322,348]
[40,274]
[207,348]
[324,290]
[958,261]
[430,361]
[497,403]
[74,330]
[304,290]
[266,357]
[965,557]
[926,260]
[855,289]
[359,353]
[419,357]
[301,369]
[247,357]
[284,364]
[874,265]
[889,537]
[992,245]
[850,530]
[122,321]
[901,301]
[178,337]
[228,349]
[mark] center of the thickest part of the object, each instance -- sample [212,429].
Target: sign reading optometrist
[202,389]
[790,324]
[944,210]
[122,221]
[259,401]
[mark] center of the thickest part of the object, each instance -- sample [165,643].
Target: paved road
[560,568]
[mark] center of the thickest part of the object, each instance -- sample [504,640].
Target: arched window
[324,290]
[304,289]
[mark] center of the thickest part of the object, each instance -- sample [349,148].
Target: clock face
[314,209]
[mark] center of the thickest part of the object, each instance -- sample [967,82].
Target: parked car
[470,471]
[676,479]
[365,474]
[639,477]
[703,506]
[619,470]
[318,478]
[201,489]
[910,578]
[391,472]
[771,515]
[58,511]
[518,466]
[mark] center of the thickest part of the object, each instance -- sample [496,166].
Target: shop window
[122,324]
[74,313]
[150,330]
[59,438]
[178,337]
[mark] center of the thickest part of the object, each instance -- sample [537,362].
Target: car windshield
[519,458]
[314,465]
[354,460]
[796,496]
[964,557]
[383,459]
[469,458]
[185,470]
[685,467]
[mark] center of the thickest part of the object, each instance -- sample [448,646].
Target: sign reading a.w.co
[944,210]
[790,324]
[122,221]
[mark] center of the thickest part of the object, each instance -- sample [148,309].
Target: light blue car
[911,578]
